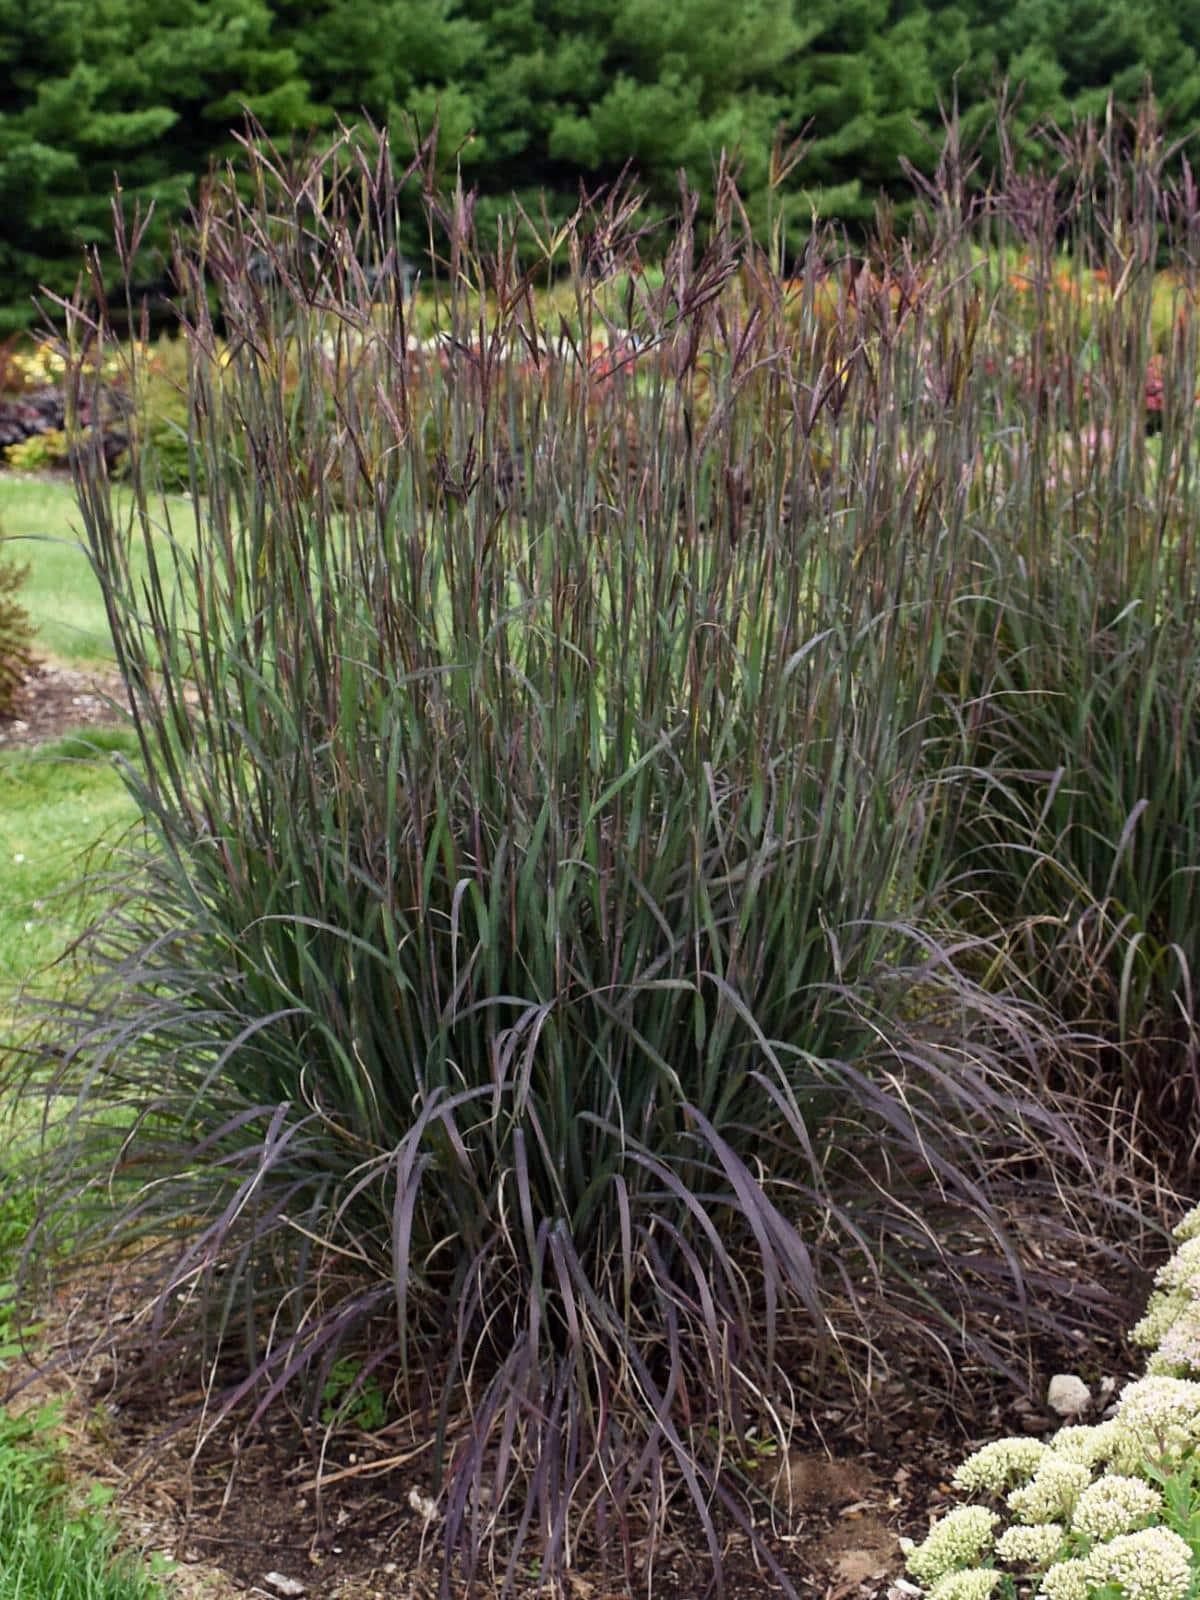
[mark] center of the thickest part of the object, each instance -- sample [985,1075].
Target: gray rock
[1068,1396]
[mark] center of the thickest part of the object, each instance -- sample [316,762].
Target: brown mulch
[244,1513]
[56,700]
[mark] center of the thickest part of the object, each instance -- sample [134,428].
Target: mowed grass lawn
[62,806]
[63,812]
[38,519]
[40,529]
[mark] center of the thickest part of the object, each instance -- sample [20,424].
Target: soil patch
[56,700]
[243,1518]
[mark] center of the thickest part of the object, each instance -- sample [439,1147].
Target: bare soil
[244,1515]
[57,700]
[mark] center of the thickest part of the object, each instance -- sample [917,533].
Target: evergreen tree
[376,56]
[538,96]
[137,88]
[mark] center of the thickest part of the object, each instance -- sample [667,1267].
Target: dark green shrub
[16,634]
[538,99]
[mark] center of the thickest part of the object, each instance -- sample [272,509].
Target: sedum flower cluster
[1092,1445]
[1086,1522]
[1114,1505]
[1179,1353]
[1001,1465]
[1034,1544]
[1156,1417]
[1154,1564]
[1052,1491]
[957,1541]
[972,1583]
[1067,1580]
[1170,1329]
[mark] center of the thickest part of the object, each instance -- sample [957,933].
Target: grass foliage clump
[599,766]
[1072,674]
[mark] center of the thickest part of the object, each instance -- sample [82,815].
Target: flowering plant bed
[1109,1511]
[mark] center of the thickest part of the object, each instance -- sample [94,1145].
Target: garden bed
[238,1516]
[860,1478]
[666,869]
[58,699]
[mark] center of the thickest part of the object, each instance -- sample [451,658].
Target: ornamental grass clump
[1072,672]
[530,984]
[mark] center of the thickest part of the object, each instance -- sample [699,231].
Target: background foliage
[538,95]
[16,633]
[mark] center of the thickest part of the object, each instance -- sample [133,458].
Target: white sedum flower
[1113,1505]
[1156,1416]
[1162,1313]
[1089,1444]
[1154,1564]
[1049,1488]
[1066,1580]
[1032,1545]
[1052,1492]
[1157,1402]
[976,1583]
[958,1540]
[1182,1271]
[1000,1466]
[1178,1352]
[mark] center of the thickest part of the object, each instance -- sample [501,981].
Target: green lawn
[63,808]
[38,520]
[56,1542]
[39,524]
